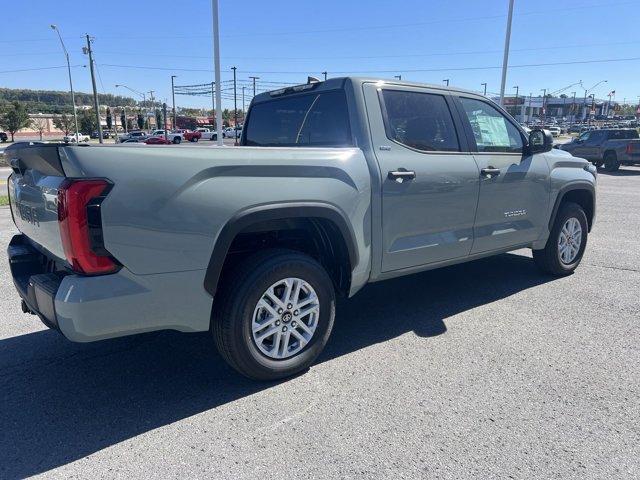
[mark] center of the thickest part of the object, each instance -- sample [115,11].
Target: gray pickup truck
[336,184]
[609,147]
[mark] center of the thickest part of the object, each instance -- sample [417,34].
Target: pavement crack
[614,268]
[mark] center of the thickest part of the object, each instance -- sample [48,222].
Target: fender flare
[568,188]
[279,211]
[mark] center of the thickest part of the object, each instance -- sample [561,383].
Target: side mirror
[540,141]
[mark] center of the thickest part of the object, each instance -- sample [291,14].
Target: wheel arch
[584,194]
[283,217]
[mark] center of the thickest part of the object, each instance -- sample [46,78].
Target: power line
[395,70]
[38,68]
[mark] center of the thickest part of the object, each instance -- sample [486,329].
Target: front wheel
[177,140]
[611,163]
[274,314]
[566,244]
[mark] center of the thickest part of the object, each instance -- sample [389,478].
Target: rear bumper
[36,286]
[89,308]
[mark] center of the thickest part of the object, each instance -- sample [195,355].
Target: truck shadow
[622,172]
[63,401]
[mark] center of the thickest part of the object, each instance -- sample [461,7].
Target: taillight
[629,149]
[80,226]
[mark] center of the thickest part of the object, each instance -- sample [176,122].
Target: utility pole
[115,125]
[235,107]
[164,111]
[325,75]
[216,65]
[593,106]
[213,101]
[243,104]
[573,109]
[505,60]
[153,111]
[530,109]
[173,98]
[485,88]
[544,102]
[95,91]
[446,81]
[254,84]
[517,91]
[73,98]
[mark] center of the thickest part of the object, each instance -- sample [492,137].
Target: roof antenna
[313,80]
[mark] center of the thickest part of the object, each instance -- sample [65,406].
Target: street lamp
[586,91]
[516,102]
[73,98]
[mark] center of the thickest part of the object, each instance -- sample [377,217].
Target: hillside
[51,101]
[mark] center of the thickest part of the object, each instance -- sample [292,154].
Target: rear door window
[315,120]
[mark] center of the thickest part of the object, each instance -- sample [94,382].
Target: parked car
[174,136]
[136,135]
[192,135]
[255,244]
[609,148]
[231,132]
[555,131]
[76,138]
[207,134]
[158,141]
[3,136]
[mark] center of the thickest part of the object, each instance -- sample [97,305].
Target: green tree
[64,122]
[159,121]
[140,121]
[14,118]
[87,123]
[109,119]
[123,118]
[40,124]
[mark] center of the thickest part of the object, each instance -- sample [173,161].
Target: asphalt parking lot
[487,370]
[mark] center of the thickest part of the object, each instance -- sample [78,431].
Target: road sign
[593,112]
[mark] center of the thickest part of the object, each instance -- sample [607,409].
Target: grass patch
[4,200]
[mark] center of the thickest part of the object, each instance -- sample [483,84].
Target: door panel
[428,218]
[514,190]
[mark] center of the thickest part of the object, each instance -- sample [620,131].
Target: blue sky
[142,43]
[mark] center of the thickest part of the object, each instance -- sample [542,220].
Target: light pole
[516,103]
[586,91]
[235,107]
[254,84]
[505,60]
[153,111]
[544,102]
[325,75]
[73,98]
[243,104]
[446,81]
[173,98]
[216,67]
[399,77]
[573,109]
[485,88]
[530,109]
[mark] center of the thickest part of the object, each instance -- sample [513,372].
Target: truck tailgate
[33,193]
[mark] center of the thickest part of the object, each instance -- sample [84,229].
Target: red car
[157,141]
[192,136]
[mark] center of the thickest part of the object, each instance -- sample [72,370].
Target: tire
[549,258]
[194,139]
[177,140]
[236,308]
[611,163]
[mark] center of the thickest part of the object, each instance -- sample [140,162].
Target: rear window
[315,120]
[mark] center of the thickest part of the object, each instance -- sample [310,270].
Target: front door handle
[401,175]
[490,172]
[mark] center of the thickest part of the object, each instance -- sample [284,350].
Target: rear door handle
[401,175]
[490,172]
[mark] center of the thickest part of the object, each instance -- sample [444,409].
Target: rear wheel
[568,238]
[611,163]
[177,140]
[274,314]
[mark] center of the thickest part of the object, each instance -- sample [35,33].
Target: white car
[137,135]
[76,138]
[208,134]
